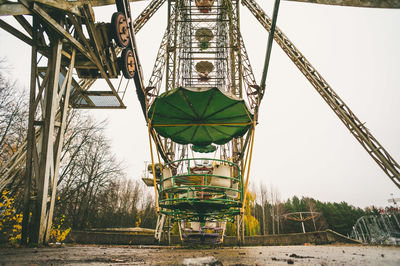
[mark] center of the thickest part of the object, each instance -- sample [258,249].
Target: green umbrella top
[200,116]
[204,149]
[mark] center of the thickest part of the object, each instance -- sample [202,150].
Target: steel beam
[146,14]
[10,29]
[269,44]
[349,119]
[13,9]
[356,3]
[57,27]
[51,101]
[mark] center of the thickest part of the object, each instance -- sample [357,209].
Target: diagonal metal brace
[349,119]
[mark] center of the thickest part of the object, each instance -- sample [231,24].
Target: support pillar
[159,228]
[240,229]
[48,109]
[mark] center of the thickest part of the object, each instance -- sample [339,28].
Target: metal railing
[200,187]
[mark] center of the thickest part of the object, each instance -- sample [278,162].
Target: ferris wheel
[201,121]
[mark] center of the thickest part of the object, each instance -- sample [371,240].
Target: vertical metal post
[46,165]
[66,90]
[159,227]
[232,77]
[240,228]
[269,46]
[169,231]
[302,222]
[174,60]
[30,137]
[48,109]
[168,45]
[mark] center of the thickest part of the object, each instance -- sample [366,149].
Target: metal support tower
[47,113]
[82,97]
[65,39]
[179,54]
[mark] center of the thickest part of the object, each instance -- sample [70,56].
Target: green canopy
[204,149]
[200,116]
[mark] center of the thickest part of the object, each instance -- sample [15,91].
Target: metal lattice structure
[65,39]
[378,229]
[202,48]
[302,217]
[180,55]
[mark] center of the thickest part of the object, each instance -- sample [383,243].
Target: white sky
[301,147]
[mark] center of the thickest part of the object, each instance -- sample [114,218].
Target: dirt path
[150,255]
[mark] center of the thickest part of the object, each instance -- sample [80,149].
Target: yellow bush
[251,224]
[252,227]
[10,220]
[57,232]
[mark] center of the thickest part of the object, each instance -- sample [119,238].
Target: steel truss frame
[177,54]
[49,101]
[50,97]
[57,34]
[349,119]
[15,166]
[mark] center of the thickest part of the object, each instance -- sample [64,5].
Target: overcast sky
[301,147]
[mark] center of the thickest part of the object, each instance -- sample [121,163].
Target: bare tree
[264,203]
[13,113]
[92,186]
[91,170]
[13,124]
[276,208]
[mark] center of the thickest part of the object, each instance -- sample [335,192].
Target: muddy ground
[152,255]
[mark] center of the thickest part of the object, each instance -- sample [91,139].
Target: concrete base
[126,238]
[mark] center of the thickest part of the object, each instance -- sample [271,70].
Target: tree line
[273,214]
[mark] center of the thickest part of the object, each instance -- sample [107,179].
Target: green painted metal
[190,194]
[269,45]
[204,149]
[200,116]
